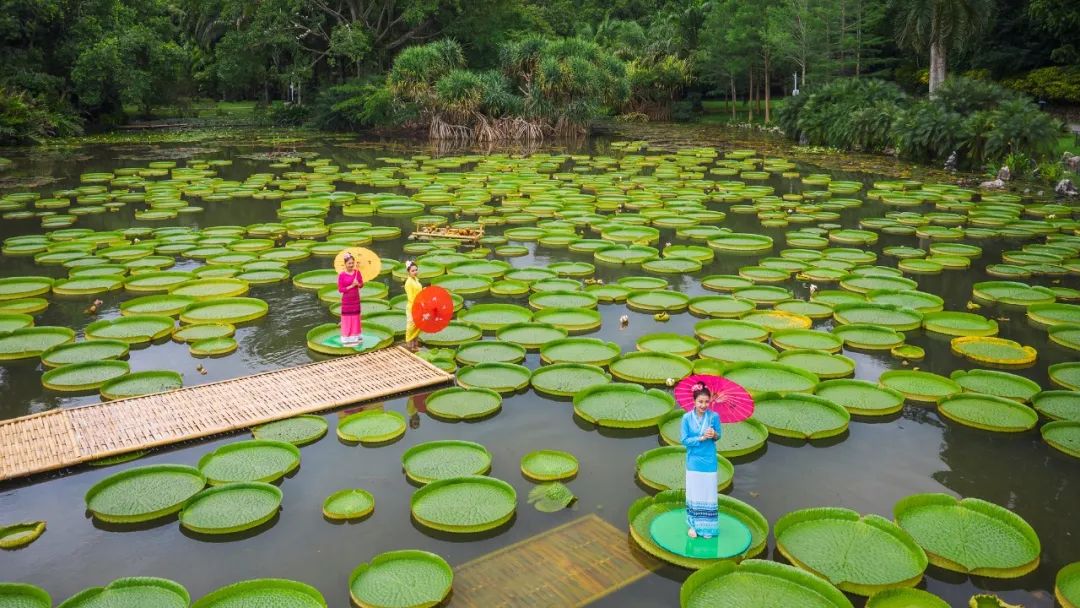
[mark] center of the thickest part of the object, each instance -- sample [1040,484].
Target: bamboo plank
[62,438]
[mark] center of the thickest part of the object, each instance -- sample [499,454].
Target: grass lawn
[1065,143]
[200,108]
[718,112]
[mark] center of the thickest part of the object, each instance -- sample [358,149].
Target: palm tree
[941,26]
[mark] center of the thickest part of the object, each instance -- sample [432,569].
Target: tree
[1061,18]
[941,26]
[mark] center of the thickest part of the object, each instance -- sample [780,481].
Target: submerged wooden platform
[568,566]
[63,437]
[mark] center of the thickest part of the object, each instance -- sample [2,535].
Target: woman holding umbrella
[412,289]
[700,431]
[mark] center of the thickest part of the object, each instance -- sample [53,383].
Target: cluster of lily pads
[609,212]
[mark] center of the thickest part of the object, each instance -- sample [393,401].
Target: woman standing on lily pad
[412,289]
[700,432]
[349,284]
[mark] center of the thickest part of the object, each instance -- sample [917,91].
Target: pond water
[869,468]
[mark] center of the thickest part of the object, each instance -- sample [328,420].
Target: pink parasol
[729,400]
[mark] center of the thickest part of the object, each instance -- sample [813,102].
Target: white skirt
[701,502]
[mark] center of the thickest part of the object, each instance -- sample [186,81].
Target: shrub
[928,131]
[1056,84]
[24,119]
[357,104]
[850,114]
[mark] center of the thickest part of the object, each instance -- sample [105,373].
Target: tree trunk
[734,97]
[937,65]
[750,97]
[766,89]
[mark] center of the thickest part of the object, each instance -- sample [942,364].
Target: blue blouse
[700,453]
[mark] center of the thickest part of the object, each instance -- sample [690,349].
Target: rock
[950,163]
[1071,162]
[996,184]
[889,151]
[1004,174]
[1065,188]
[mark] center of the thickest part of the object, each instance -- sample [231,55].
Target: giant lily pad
[491,317]
[905,597]
[549,465]
[162,280]
[208,289]
[22,595]
[970,536]
[348,504]
[562,299]
[298,430]
[500,377]
[823,365]
[567,379]
[868,337]
[627,406]
[231,508]
[134,592]
[664,468]
[656,300]
[885,315]
[758,583]
[143,493]
[878,554]
[909,299]
[720,307]
[1011,293]
[861,397]
[251,460]
[988,412]
[1063,435]
[371,426]
[87,285]
[800,416]
[589,351]
[1049,315]
[993,351]
[145,382]
[531,335]
[952,323]
[86,376]
[457,332]
[84,352]
[434,460]
[1001,384]
[13,288]
[730,351]
[768,376]
[650,367]
[225,310]
[918,385]
[168,305]
[676,344]
[1058,405]
[1066,375]
[646,509]
[464,504]
[14,536]
[401,579]
[456,403]
[807,339]
[132,329]
[490,351]
[1067,585]
[730,329]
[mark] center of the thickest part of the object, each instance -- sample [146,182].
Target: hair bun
[698,386]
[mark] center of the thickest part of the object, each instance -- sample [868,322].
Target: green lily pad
[490,317]
[434,460]
[865,284]
[861,397]
[657,300]
[401,579]
[530,335]
[912,300]
[298,430]
[549,465]
[650,367]
[676,344]
[905,597]
[920,386]
[84,352]
[664,468]
[823,365]
[993,351]
[143,493]
[1058,405]
[158,281]
[231,508]
[1011,293]
[456,403]
[225,310]
[1049,315]
[209,289]
[800,416]
[212,347]
[642,283]
[970,536]
[134,592]
[720,307]
[278,593]
[768,376]
[464,505]
[741,243]
[807,339]
[562,299]
[1063,435]
[167,305]
[567,379]
[646,509]
[570,319]
[1065,375]
[879,555]
[730,351]
[457,332]
[730,329]
[886,315]
[551,497]
[490,351]
[141,383]
[988,412]
[22,595]
[627,406]
[1001,384]
[24,306]
[589,351]
[134,329]
[83,376]
[500,377]
[348,504]
[758,583]
[868,337]
[14,288]
[1065,334]
[371,426]
[1067,585]
[251,460]
[14,536]
[952,323]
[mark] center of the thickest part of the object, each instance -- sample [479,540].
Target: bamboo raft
[64,437]
[569,566]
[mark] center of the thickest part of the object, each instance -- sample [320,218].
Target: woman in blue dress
[700,432]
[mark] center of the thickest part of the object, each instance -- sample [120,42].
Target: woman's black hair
[700,389]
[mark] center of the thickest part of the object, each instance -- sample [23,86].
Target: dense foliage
[544,66]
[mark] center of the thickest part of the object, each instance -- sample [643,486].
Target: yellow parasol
[367,262]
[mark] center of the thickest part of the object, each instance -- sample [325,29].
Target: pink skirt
[350,326]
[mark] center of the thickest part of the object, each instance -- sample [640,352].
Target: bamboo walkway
[64,437]
[568,566]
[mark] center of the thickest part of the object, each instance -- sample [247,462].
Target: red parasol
[729,400]
[432,309]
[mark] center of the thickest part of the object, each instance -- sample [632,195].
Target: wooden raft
[63,437]
[568,566]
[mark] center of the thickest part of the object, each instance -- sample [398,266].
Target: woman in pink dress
[349,284]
